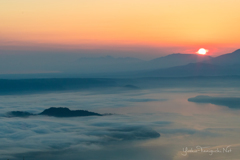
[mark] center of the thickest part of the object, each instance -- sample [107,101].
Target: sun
[202,51]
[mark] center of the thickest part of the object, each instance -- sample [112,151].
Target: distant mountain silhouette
[177,60]
[65,112]
[224,65]
[111,65]
[105,64]
[192,69]
[55,112]
[172,65]
[227,59]
[108,59]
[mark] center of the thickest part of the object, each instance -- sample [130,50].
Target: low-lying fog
[147,124]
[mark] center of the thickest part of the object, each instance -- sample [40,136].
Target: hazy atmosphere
[119,80]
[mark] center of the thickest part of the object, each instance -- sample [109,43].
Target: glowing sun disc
[202,51]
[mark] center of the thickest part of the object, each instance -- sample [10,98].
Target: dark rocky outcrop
[19,114]
[230,102]
[55,112]
[65,112]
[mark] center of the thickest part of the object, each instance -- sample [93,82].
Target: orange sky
[159,23]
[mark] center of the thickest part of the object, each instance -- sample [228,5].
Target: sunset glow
[156,23]
[202,51]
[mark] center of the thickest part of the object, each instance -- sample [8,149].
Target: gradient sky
[182,25]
